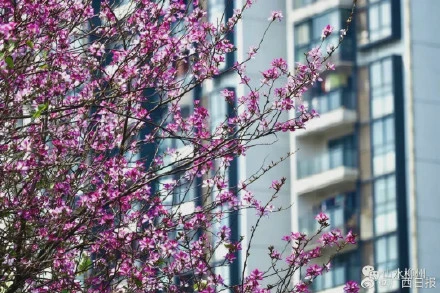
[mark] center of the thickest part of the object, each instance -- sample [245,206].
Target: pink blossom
[351,287]
[350,238]
[330,66]
[301,287]
[314,271]
[6,29]
[322,218]
[276,15]
[252,52]
[326,31]
[109,150]
[228,94]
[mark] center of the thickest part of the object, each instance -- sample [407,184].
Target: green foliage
[85,263]
[41,108]
[9,61]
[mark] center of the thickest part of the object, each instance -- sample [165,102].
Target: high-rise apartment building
[371,161]
[247,34]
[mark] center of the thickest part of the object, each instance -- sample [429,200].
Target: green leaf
[138,283]
[41,108]
[160,262]
[12,46]
[9,61]
[30,44]
[64,291]
[229,245]
[199,286]
[85,264]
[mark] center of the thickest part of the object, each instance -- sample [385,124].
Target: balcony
[332,171]
[344,267]
[341,217]
[303,9]
[336,110]
[310,22]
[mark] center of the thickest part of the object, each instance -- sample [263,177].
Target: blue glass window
[382,98]
[378,21]
[384,155]
[344,267]
[216,11]
[385,209]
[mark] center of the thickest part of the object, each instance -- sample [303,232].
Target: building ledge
[328,180]
[303,13]
[330,121]
[185,208]
[337,289]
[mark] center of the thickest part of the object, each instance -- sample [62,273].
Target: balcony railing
[344,54]
[330,160]
[301,3]
[340,98]
[333,280]
[343,218]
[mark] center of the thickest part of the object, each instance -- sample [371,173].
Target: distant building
[371,160]
[248,33]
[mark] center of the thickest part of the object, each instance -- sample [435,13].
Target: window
[341,210]
[301,3]
[185,283]
[184,191]
[385,210]
[342,152]
[166,195]
[375,21]
[386,252]
[334,19]
[218,109]
[382,104]
[302,41]
[308,34]
[382,98]
[386,258]
[384,156]
[216,11]
[333,92]
[344,267]
[379,20]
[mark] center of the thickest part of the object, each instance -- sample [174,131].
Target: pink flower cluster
[110,179]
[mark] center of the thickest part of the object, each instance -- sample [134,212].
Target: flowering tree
[85,86]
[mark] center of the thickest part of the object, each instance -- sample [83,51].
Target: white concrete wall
[425,71]
[271,229]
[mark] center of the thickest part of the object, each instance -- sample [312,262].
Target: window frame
[348,262]
[379,265]
[228,12]
[395,25]
[386,147]
[399,173]
[397,95]
[303,3]
[340,13]
[387,206]
[379,91]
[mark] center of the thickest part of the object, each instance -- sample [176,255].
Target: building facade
[370,160]
[248,33]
